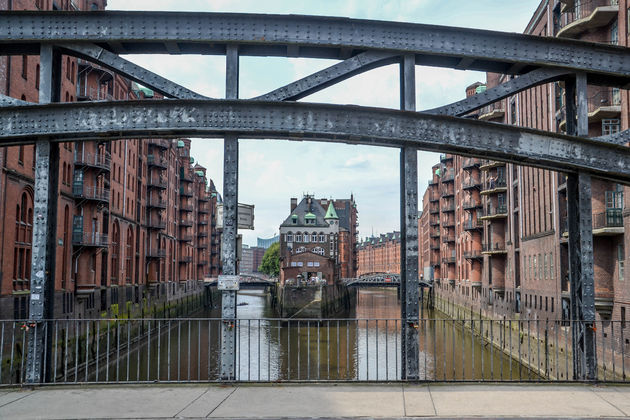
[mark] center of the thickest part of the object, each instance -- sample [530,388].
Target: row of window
[306,238]
[539,266]
[317,250]
[301,264]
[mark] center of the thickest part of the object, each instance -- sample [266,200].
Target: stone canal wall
[319,301]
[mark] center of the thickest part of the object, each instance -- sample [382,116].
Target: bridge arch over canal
[360,45]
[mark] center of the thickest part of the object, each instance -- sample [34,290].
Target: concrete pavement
[316,401]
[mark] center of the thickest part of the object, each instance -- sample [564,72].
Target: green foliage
[271,261]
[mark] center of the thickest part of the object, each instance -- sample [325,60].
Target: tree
[271,261]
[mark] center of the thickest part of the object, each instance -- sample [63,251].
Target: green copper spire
[331,213]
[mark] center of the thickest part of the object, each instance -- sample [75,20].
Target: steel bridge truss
[360,45]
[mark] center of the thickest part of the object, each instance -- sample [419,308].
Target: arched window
[128,256]
[23,242]
[68,68]
[72,72]
[66,248]
[115,252]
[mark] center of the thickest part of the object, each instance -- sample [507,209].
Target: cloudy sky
[271,172]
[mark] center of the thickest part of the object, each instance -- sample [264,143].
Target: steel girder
[9,101]
[303,121]
[309,36]
[129,70]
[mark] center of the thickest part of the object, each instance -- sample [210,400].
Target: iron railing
[101,160]
[96,239]
[584,8]
[609,218]
[495,211]
[604,97]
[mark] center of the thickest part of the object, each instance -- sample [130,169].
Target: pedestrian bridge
[248,281]
[380,280]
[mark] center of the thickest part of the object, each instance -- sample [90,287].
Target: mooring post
[44,228]
[579,209]
[230,228]
[409,299]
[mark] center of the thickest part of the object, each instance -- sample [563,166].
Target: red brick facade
[136,218]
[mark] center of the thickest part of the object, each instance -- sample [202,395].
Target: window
[306,238]
[322,238]
[545,267]
[620,258]
[314,238]
[289,237]
[309,264]
[25,67]
[298,238]
[551,274]
[316,264]
[611,126]
[614,33]
[23,240]
[293,264]
[300,264]
[623,317]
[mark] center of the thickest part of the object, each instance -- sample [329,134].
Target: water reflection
[363,346]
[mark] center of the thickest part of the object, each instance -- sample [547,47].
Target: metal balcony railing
[157,183]
[185,259]
[470,163]
[435,233]
[491,111]
[157,203]
[604,97]
[449,176]
[495,211]
[471,204]
[94,239]
[186,207]
[448,223]
[434,209]
[445,157]
[582,9]
[159,143]
[448,238]
[609,218]
[186,222]
[157,161]
[471,183]
[473,255]
[185,192]
[185,238]
[450,206]
[448,260]
[494,247]
[156,253]
[493,183]
[156,224]
[97,160]
[473,225]
[90,193]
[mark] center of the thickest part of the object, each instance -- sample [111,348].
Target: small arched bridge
[248,281]
[380,280]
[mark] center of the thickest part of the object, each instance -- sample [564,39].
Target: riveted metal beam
[132,71]
[329,76]
[9,101]
[581,272]
[319,122]
[504,90]
[409,299]
[44,228]
[622,138]
[230,226]
[306,36]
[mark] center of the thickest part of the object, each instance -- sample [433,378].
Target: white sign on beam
[245,216]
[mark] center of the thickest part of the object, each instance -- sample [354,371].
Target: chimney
[293,204]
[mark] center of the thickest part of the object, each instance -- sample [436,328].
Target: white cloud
[273,171]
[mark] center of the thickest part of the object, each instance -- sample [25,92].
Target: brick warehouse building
[379,254]
[318,239]
[494,235]
[136,218]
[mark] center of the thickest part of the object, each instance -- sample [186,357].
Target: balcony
[604,104]
[473,255]
[448,192]
[185,192]
[471,204]
[489,164]
[434,222]
[448,260]
[156,203]
[496,248]
[159,183]
[203,210]
[186,208]
[89,239]
[202,262]
[584,15]
[495,212]
[159,143]
[435,247]
[449,207]
[184,177]
[435,233]
[470,225]
[449,176]
[492,112]
[202,222]
[471,183]
[432,182]
[156,253]
[470,163]
[185,238]
[202,234]
[448,238]
[156,225]
[494,186]
[202,246]
[92,160]
[445,157]
[608,223]
[185,259]
[93,93]
[157,161]
[186,222]
[90,193]
[204,198]
[434,197]
[448,223]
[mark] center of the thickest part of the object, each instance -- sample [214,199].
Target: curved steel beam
[130,70]
[303,121]
[329,76]
[306,36]
[509,88]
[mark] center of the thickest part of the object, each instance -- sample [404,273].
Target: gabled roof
[331,213]
[299,214]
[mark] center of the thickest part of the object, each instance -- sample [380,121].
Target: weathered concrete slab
[207,402]
[617,396]
[313,401]
[418,402]
[520,400]
[11,396]
[103,402]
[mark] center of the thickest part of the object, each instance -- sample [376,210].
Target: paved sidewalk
[316,401]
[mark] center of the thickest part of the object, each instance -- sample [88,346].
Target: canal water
[362,345]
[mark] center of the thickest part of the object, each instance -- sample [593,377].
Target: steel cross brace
[129,70]
[409,299]
[581,274]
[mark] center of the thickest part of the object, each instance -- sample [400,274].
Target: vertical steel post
[44,227]
[230,226]
[409,299]
[581,273]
